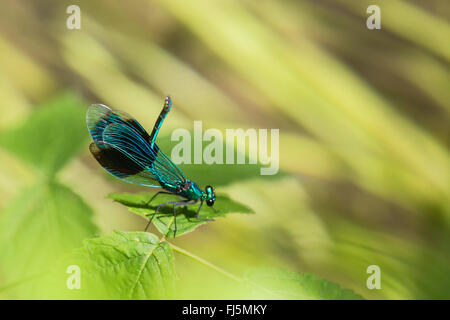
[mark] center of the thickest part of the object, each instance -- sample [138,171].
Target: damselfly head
[210,196]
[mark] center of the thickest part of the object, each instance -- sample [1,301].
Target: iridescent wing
[154,160]
[122,146]
[99,116]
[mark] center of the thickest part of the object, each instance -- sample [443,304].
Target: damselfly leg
[175,204]
[198,212]
[180,203]
[157,209]
[215,211]
[147,203]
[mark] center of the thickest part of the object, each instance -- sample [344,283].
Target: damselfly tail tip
[168,101]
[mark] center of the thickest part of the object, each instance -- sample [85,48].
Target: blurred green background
[364,133]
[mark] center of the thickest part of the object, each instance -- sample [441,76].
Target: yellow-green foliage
[364,139]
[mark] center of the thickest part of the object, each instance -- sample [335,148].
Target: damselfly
[123,147]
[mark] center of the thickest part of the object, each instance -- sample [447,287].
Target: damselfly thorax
[189,190]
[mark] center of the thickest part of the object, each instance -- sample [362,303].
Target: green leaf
[185,220]
[275,283]
[42,222]
[51,136]
[125,265]
[38,227]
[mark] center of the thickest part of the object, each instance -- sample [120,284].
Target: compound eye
[209,202]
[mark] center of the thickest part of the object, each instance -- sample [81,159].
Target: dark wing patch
[114,160]
[129,142]
[120,165]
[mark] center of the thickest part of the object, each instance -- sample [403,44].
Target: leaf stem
[206,263]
